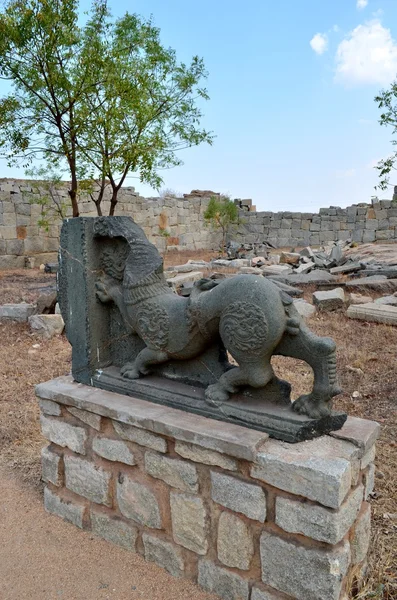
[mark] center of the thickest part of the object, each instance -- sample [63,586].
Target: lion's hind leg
[142,363]
[256,374]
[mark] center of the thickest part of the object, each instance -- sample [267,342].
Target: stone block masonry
[244,516]
[23,242]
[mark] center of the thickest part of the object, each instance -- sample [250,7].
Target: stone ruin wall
[24,243]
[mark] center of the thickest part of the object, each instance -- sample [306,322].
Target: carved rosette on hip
[243,328]
[153,325]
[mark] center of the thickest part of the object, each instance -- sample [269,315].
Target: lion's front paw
[129,371]
[215,394]
[102,292]
[312,406]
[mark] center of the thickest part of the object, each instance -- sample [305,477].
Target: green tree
[221,214]
[146,109]
[387,102]
[40,54]
[97,101]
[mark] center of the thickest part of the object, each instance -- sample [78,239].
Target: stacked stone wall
[247,517]
[178,223]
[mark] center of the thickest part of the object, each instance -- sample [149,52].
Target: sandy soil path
[44,558]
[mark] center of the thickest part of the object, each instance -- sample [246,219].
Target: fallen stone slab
[181,268]
[305,309]
[308,252]
[290,258]
[314,277]
[329,299]
[305,267]
[45,303]
[372,312]
[250,270]
[387,300]
[377,283]
[352,267]
[276,270]
[288,289]
[47,325]
[389,272]
[178,280]
[17,312]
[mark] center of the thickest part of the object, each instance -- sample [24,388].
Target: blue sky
[292,85]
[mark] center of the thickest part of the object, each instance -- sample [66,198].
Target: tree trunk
[98,208]
[113,202]
[73,196]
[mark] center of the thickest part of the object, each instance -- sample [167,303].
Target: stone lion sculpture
[251,315]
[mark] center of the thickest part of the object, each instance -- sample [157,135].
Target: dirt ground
[35,548]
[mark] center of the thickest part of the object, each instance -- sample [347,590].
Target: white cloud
[362,4]
[319,43]
[368,55]
[336,29]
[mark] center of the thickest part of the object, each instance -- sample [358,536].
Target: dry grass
[367,348]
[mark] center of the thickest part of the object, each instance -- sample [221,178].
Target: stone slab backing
[246,517]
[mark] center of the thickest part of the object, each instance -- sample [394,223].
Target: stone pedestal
[247,517]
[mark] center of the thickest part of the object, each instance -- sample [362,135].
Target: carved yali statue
[250,314]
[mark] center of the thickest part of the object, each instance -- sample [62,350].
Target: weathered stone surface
[305,309]
[258,594]
[63,434]
[17,312]
[74,513]
[376,313]
[368,457]
[329,299]
[349,267]
[276,270]
[179,280]
[290,258]
[87,480]
[305,267]
[50,466]
[369,481]
[140,437]
[233,440]
[386,300]
[361,536]
[318,469]
[114,450]
[317,522]
[176,473]
[137,502]
[47,325]
[245,498]
[378,283]
[188,517]
[114,530]
[360,432]
[207,457]
[48,407]
[304,573]
[164,554]
[235,542]
[359,299]
[89,418]
[225,584]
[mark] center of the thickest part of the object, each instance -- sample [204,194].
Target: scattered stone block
[140,437]
[318,522]
[204,456]
[314,277]
[305,267]
[378,283]
[245,498]
[178,280]
[329,299]
[386,300]
[276,270]
[250,271]
[85,479]
[235,542]
[73,513]
[137,502]
[63,434]
[226,584]
[113,450]
[362,535]
[188,517]
[164,554]
[369,481]
[290,258]
[372,312]
[305,309]
[45,303]
[307,252]
[114,530]
[17,312]
[359,299]
[304,573]
[47,325]
[50,467]
[176,473]
[360,432]
[349,267]
[258,594]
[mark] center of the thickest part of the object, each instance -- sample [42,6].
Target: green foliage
[97,101]
[387,102]
[221,214]
[50,196]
